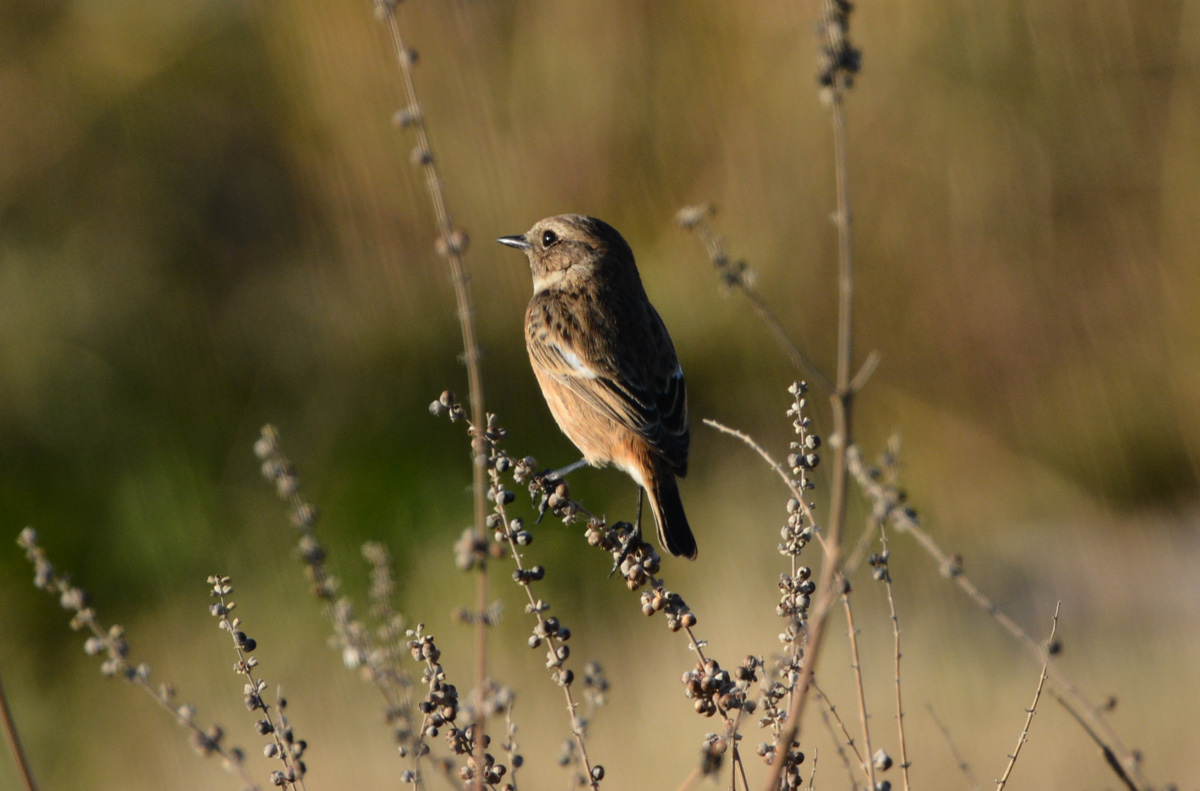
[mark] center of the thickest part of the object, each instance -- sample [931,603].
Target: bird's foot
[551,493]
[631,542]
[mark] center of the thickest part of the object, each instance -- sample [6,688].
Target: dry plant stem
[551,641]
[887,579]
[716,253]
[741,768]
[391,680]
[840,750]
[859,553]
[961,762]
[846,738]
[245,666]
[776,466]
[731,726]
[812,778]
[681,619]
[1012,759]
[693,780]
[14,744]
[447,768]
[816,635]
[737,768]
[858,681]
[905,522]
[842,438]
[452,242]
[737,762]
[1109,756]
[510,731]
[111,642]
[353,641]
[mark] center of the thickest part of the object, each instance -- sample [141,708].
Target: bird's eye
[549,238]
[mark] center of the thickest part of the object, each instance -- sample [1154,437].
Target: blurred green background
[207,222]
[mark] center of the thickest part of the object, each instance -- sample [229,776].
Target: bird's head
[569,249]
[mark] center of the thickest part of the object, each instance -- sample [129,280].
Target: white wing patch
[572,359]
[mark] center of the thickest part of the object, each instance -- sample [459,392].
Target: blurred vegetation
[207,222]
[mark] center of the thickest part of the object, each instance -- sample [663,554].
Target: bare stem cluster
[420,707]
[451,245]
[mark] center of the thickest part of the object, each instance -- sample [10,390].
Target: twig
[737,275]
[714,690]
[839,61]
[846,737]
[283,745]
[14,744]
[905,521]
[693,780]
[776,466]
[738,765]
[864,373]
[452,242]
[961,762]
[1110,757]
[350,636]
[858,681]
[1012,759]
[111,643]
[887,579]
[547,629]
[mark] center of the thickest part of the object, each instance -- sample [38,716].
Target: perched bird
[605,362]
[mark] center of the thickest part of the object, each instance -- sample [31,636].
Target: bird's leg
[633,539]
[637,523]
[558,475]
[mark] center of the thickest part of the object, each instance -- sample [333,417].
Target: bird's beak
[515,241]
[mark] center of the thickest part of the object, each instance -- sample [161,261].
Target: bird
[606,364]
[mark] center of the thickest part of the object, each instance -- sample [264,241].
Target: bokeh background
[207,222]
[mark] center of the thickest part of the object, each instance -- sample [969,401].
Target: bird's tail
[674,533]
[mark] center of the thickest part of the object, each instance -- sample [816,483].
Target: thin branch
[355,642]
[776,466]
[865,372]
[816,635]
[846,737]
[858,681]
[28,782]
[887,579]
[905,521]
[112,644]
[550,632]
[693,780]
[1012,759]
[961,762]
[1110,757]
[452,242]
[839,63]
[738,275]
[281,746]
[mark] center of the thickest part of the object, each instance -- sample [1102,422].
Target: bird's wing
[650,400]
[670,395]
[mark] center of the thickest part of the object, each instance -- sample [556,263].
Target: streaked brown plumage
[605,362]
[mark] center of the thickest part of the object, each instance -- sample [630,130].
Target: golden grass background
[207,223]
